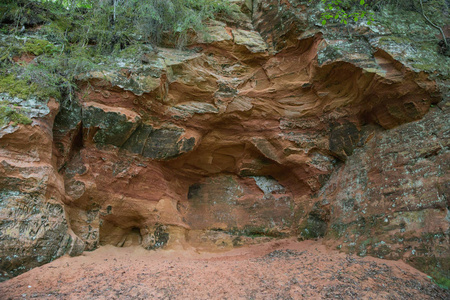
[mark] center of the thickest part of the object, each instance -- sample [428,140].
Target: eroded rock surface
[273,128]
[33,224]
[391,198]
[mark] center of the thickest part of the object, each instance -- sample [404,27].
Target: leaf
[361,2]
[345,22]
[356,19]
[324,22]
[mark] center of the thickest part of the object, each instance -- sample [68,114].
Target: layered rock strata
[273,128]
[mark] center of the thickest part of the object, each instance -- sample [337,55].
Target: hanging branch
[434,25]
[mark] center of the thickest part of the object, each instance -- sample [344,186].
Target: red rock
[273,129]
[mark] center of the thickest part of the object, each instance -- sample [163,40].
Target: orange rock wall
[257,130]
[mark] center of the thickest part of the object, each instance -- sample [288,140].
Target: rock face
[34,227]
[390,200]
[275,128]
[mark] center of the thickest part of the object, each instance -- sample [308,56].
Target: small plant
[344,11]
[16,87]
[39,47]
[78,36]
[8,114]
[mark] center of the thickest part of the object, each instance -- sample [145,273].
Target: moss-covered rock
[38,47]
[14,111]
[9,114]
[16,87]
[410,39]
[114,128]
[438,268]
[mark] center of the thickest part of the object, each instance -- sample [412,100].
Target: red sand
[283,269]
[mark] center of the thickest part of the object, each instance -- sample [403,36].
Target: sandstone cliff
[267,125]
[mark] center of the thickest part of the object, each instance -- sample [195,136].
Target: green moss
[39,47]
[423,66]
[86,37]
[18,13]
[437,268]
[394,39]
[16,87]
[8,114]
[443,282]
[9,47]
[413,41]
[134,51]
[55,31]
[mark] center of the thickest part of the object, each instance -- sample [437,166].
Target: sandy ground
[283,269]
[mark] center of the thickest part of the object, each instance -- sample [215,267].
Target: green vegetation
[38,47]
[344,11]
[66,38]
[110,25]
[8,114]
[16,87]
[437,268]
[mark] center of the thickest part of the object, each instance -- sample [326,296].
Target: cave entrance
[111,234]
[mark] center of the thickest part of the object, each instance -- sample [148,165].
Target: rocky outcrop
[33,224]
[274,128]
[390,200]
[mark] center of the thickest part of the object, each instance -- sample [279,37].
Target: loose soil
[282,269]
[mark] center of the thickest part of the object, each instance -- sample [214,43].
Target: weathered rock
[389,200]
[255,205]
[167,143]
[316,223]
[111,128]
[275,127]
[285,102]
[155,237]
[33,225]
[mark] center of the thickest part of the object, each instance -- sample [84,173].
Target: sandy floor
[283,269]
